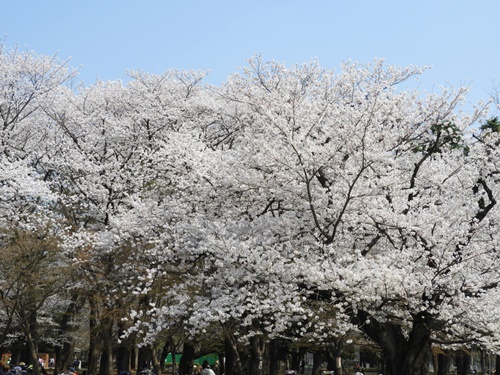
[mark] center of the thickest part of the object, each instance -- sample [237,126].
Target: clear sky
[104,38]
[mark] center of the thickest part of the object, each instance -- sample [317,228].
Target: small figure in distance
[359,371]
[206,369]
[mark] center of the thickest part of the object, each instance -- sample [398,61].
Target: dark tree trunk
[57,368]
[338,361]
[462,362]
[459,359]
[443,364]
[143,359]
[164,354]
[497,363]
[65,355]
[106,363]
[296,359]
[187,360]
[31,333]
[403,356]
[154,360]
[266,360]
[334,358]
[482,359]
[233,363]
[466,368]
[94,350]
[317,361]
[172,348]
[256,355]
[65,359]
[93,360]
[330,359]
[273,357]
[122,359]
[134,359]
[149,359]
[221,367]
[123,351]
[174,364]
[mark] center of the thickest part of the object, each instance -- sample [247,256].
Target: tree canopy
[290,202]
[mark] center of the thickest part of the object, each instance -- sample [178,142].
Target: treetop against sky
[105,40]
[292,201]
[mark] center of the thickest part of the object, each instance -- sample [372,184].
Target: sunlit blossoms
[290,203]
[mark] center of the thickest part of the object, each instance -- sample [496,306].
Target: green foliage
[492,124]
[443,134]
[490,129]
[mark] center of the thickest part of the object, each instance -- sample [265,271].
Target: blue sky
[459,38]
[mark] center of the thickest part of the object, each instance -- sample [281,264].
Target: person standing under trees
[206,369]
[216,368]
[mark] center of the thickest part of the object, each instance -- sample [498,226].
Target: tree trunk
[233,363]
[338,361]
[256,355]
[317,361]
[330,359]
[295,361]
[65,355]
[93,360]
[266,359]
[122,359]
[164,354]
[482,358]
[334,359]
[221,366]
[154,360]
[134,360]
[443,364]
[463,363]
[123,351]
[459,359]
[94,351]
[143,359]
[403,356]
[273,358]
[174,364]
[187,360]
[31,333]
[106,364]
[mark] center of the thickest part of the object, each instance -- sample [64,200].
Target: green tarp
[211,358]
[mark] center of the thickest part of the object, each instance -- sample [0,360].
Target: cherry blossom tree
[287,203]
[29,225]
[119,167]
[26,81]
[339,187]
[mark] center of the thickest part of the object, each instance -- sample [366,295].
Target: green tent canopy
[211,358]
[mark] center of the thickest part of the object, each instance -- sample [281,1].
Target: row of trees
[284,207]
